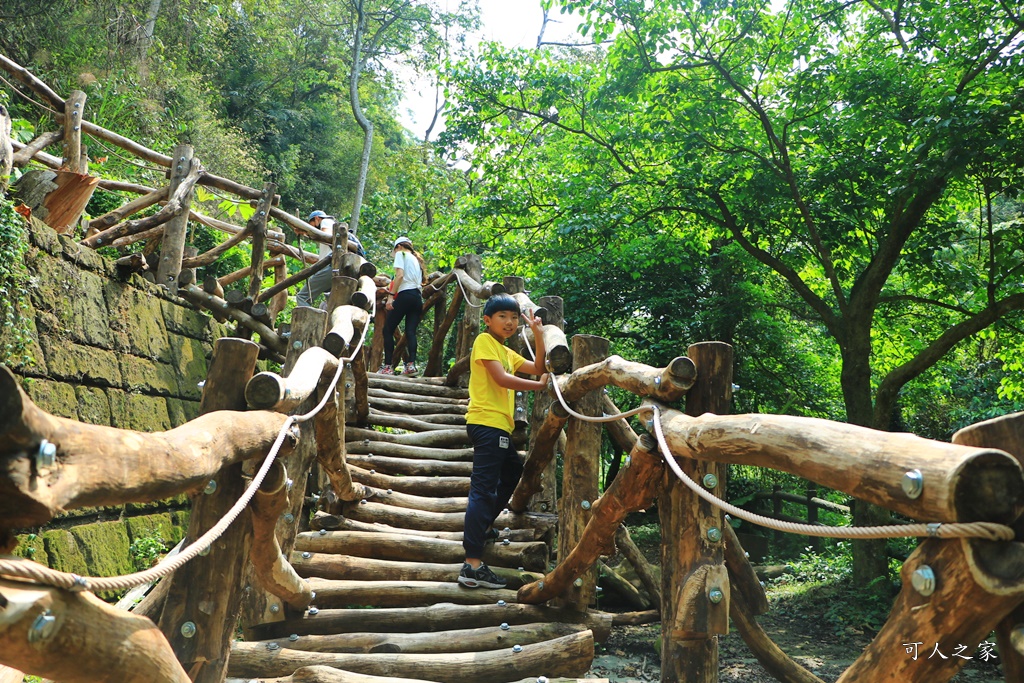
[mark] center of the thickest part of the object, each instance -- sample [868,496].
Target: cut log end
[990,488]
[264,391]
[560,359]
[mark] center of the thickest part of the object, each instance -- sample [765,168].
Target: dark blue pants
[496,472]
[409,305]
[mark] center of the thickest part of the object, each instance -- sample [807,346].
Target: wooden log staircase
[383,569]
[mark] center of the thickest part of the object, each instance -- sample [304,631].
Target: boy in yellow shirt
[496,464]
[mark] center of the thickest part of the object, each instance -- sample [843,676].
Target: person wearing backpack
[404,300]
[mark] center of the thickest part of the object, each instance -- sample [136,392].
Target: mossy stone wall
[113,351]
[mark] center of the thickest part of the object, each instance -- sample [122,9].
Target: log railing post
[308,329]
[544,500]
[433,366]
[172,247]
[581,470]
[470,327]
[695,584]
[74,111]
[206,593]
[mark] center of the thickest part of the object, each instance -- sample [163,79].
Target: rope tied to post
[985,530]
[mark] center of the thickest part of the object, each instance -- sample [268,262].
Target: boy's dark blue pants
[496,472]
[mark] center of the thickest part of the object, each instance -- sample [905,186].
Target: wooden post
[1005,433]
[308,329]
[207,591]
[74,111]
[279,300]
[433,366]
[544,500]
[376,353]
[692,564]
[6,160]
[172,248]
[257,227]
[470,327]
[581,470]
[812,514]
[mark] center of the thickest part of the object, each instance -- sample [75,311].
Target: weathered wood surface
[743,578]
[692,563]
[635,488]
[177,204]
[613,583]
[271,567]
[149,466]
[430,418]
[405,423]
[439,617]
[365,447]
[532,555]
[335,594]
[418,486]
[420,388]
[322,520]
[329,425]
[347,322]
[452,437]
[1006,433]
[328,674]
[441,521]
[581,470]
[74,114]
[456,640]
[233,277]
[83,641]
[9,675]
[424,468]
[271,391]
[640,565]
[469,328]
[25,152]
[115,216]
[215,304]
[307,330]
[351,568]
[566,656]
[418,407]
[542,452]
[207,591]
[441,329]
[419,398]
[977,583]
[961,483]
[422,503]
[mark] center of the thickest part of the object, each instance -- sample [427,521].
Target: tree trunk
[357,112]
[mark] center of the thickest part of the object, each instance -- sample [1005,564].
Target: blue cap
[317,214]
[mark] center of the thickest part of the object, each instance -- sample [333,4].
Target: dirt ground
[630,655]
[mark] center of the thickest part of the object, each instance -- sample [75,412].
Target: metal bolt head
[362,502]
[505,541]
[501,603]
[650,423]
[710,480]
[715,595]
[296,344]
[205,551]
[313,611]
[323,532]
[188,629]
[913,483]
[77,105]
[211,486]
[543,507]
[43,627]
[714,534]
[578,582]
[389,492]
[288,517]
[923,580]
[542,679]
[628,461]
[657,381]
[46,455]
[273,646]
[274,609]
[505,626]
[585,505]
[288,484]
[540,585]
[293,637]
[306,555]
[517,648]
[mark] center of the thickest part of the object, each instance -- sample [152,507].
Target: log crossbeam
[635,488]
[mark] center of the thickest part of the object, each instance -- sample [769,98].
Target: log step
[333,593]
[418,486]
[569,655]
[413,468]
[459,640]
[417,398]
[367,447]
[322,520]
[456,437]
[348,568]
[410,387]
[533,555]
[416,407]
[412,502]
[376,413]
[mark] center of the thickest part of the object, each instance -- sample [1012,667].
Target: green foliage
[146,552]
[15,322]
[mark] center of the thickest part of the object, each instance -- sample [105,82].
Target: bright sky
[515,23]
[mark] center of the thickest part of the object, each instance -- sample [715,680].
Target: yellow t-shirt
[489,404]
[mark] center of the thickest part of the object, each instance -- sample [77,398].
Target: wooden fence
[956,587]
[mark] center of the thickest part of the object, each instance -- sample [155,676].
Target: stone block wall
[113,351]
